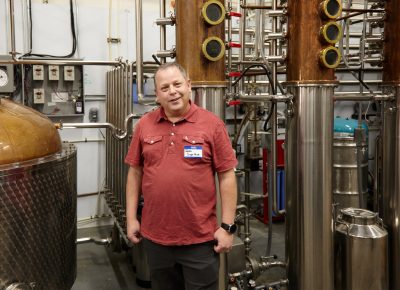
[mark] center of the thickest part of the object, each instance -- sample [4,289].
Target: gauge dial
[3,77]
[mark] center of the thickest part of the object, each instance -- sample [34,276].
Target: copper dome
[25,134]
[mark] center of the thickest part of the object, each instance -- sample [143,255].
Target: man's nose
[172,89]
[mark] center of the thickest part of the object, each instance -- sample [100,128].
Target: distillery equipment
[345,167]
[38,202]
[361,251]
[267,68]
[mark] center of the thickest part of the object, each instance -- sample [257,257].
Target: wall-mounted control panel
[54,90]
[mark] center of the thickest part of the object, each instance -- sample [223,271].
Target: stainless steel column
[391,185]
[210,98]
[308,165]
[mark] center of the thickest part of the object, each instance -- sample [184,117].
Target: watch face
[3,78]
[229,228]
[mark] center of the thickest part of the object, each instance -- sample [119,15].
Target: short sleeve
[134,155]
[223,154]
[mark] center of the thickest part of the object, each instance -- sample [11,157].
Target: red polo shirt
[179,163]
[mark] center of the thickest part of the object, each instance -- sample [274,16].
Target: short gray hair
[168,65]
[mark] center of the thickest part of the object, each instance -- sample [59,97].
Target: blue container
[346,126]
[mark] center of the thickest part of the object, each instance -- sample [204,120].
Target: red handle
[235,14]
[234,44]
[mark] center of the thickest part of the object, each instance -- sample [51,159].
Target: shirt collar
[189,116]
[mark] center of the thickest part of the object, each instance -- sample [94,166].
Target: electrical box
[38,96]
[69,73]
[54,73]
[6,75]
[38,73]
[59,94]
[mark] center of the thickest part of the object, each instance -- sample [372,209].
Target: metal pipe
[362,97]
[229,66]
[163,54]
[275,264]
[274,115]
[163,44]
[247,233]
[117,133]
[242,40]
[139,49]
[62,62]
[264,98]
[12,29]
[97,241]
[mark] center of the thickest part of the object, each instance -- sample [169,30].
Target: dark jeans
[192,267]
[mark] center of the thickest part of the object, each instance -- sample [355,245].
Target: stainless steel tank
[361,251]
[344,175]
[38,222]
[37,202]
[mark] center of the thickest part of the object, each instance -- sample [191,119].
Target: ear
[189,83]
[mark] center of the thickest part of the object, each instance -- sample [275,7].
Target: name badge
[193,151]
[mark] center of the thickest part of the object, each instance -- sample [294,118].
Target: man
[174,154]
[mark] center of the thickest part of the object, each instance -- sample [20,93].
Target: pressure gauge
[3,77]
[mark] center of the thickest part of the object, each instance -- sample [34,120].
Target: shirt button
[172,143]
[193,142]
[172,134]
[173,124]
[151,141]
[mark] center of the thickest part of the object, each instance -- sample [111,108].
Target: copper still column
[207,76]
[309,222]
[193,32]
[390,209]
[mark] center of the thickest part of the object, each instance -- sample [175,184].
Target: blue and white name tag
[193,151]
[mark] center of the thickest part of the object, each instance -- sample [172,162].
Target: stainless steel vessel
[344,176]
[38,222]
[361,251]
[308,165]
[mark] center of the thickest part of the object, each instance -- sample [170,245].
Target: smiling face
[173,91]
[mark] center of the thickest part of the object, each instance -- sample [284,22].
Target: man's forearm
[228,192]
[133,184]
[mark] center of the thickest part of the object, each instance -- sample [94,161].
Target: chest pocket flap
[193,139]
[152,139]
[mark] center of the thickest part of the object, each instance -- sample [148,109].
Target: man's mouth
[173,100]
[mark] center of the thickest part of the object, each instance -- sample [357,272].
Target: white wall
[95,22]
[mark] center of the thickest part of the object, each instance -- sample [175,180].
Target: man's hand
[133,231]
[224,239]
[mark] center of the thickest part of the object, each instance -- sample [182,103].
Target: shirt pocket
[201,146]
[152,149]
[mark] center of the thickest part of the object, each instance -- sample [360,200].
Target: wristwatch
[230,228]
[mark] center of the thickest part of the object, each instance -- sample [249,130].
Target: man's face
[173,91]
